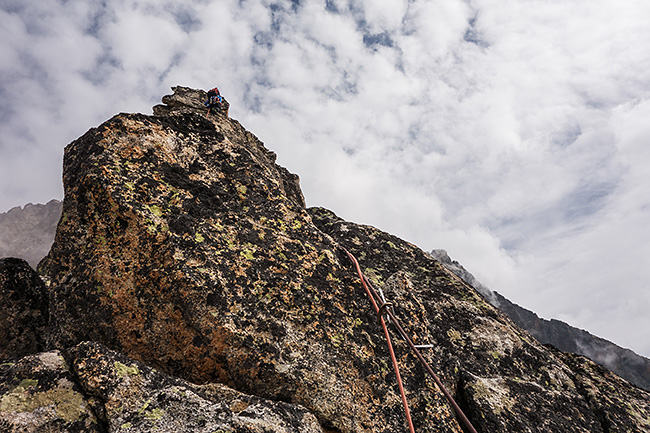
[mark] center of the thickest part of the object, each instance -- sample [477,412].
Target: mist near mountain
[624,362]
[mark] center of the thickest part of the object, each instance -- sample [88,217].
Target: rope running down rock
[372,293]
[382,322]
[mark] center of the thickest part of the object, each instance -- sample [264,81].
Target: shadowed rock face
[23,310]
[611,398]
[136,398]
[184,246]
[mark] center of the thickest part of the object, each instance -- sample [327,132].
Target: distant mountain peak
[27,232]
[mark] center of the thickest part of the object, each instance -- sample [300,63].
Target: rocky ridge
[37,235]
[191,290]
[28,232]
[624,362]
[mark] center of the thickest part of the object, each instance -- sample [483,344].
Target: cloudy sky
[512,133]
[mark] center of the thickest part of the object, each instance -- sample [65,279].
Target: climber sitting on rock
[214,100]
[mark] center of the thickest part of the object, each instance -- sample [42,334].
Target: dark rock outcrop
[184,247]
[624,362]
[601,388]
[23,310]
[28,232]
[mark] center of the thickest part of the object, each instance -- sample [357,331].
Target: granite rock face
[135,398]
[503,378]
[603,390]
[187,259]
[624,362]
[183,245]
[23,310]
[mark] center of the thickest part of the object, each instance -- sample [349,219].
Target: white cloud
[438,27]
[507,132]
[384,15]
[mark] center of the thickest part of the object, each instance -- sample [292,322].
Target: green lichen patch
[124,370]
[495,393]
[68,404]
[241,191]
[455,336]
[26,383]
[248,253]
[154,414]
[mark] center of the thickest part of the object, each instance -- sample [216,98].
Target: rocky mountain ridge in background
[28,232]
[624,362]
[189,289]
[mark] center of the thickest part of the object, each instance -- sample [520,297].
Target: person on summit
[214,100]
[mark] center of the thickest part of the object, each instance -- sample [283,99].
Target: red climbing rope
[385,308]
[382,322]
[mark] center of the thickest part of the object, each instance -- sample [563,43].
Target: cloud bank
[513,134]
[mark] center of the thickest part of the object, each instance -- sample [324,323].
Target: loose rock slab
[38,394]
[138,399]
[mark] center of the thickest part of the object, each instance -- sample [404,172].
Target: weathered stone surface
[183,245]
[23,310]
[104,391]
[134,398]
[28,232]
[38,394]
[618,406]
[505,379]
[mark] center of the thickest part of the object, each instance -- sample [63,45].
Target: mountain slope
[28,232]
[624,362]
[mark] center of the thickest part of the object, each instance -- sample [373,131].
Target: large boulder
[184,246]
